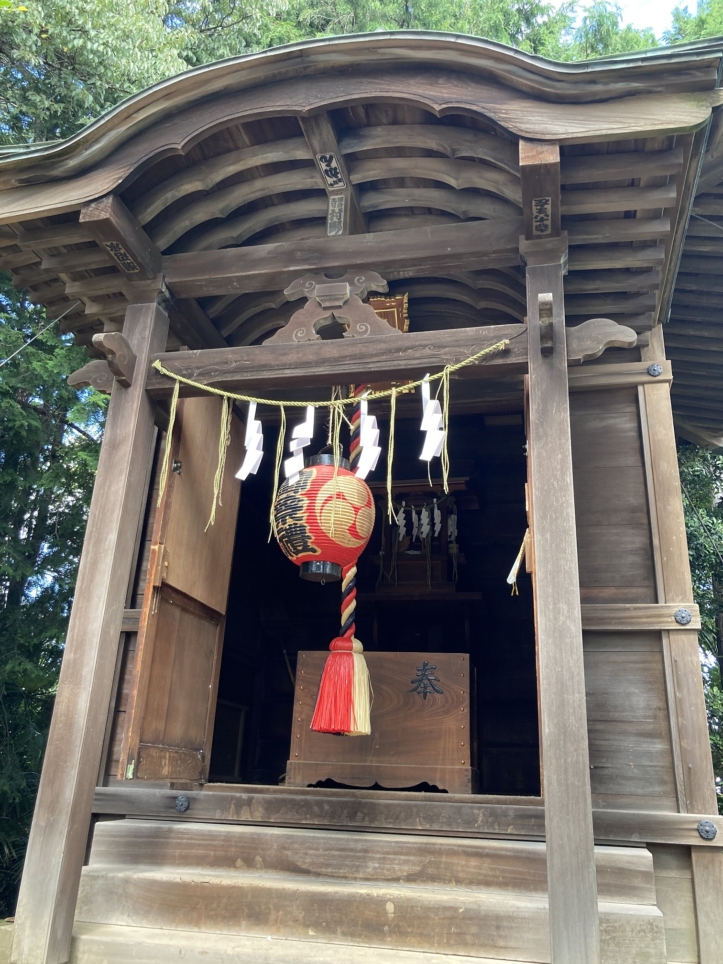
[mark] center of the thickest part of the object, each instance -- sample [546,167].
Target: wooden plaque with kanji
[420,722]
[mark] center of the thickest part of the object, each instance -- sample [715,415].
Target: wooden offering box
[420,726]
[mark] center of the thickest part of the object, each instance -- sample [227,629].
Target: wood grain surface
[327,362]
[413,740]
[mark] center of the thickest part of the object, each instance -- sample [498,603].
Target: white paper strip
[254,442]
[432,421]
[368,442]
[401,523]
[300,438]
[424,523]
[437,518]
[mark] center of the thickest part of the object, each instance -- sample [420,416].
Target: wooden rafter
[345,215]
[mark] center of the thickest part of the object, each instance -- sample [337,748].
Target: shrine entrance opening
[450,599]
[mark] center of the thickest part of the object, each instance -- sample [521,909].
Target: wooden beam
[77,260]
[620,167]
[572,888]
[193,326]
[638,617]
[114,228]
[478,816]
[606,231]
[540,177]
[617,375]
[621,280]
[343,360]
[607,256]
[59,834]
[344,214]
[394,254]
[54,236]
[689,729]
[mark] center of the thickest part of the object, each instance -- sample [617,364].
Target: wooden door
[169,722]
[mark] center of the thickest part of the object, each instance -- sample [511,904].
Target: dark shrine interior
[273,614]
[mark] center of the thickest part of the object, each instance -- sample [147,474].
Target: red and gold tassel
[343,704]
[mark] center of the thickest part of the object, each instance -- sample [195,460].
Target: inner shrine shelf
[407,569]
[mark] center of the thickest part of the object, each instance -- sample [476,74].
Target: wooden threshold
[456,815]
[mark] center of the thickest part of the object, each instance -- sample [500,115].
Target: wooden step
[422,917]
[625,874]
[112,944]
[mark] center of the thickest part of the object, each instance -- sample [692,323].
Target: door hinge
[157,565]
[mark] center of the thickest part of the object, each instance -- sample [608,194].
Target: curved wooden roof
[426,127]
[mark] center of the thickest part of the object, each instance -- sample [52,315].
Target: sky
[648,13]
[652,13]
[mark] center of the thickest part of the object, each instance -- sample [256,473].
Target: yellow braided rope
[277,468]
[223,440]
[169,446]
[336,406]
[336,402]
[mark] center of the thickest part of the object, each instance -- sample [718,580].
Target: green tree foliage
[48,453]
[707,21]
[64,64]
[701,474]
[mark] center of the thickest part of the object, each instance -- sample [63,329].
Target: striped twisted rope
[355,441]
[348,601]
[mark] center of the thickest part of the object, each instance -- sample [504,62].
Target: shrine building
[265,258]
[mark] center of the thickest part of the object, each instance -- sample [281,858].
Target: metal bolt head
[655,369]
[182,803]
[682,616]
[707,829]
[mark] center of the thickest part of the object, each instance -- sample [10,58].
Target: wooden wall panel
[198,555]
[674,888]
[613,528]
[175,721]
[631,758]
[135,601]
[119,711]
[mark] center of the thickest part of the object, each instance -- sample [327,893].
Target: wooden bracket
[344,213]
[540,182]
[590,339]
[119,354]
[118,233]
[544,307]
[96,374]
[331,300]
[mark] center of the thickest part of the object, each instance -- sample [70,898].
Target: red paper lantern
[324,518]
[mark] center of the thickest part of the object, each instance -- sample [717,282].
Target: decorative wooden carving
[331,300]
[590,339]
[96,374]
[394,310]
[120,357]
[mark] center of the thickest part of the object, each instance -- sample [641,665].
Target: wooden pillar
[689,726]
[59,834]
[572,888]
